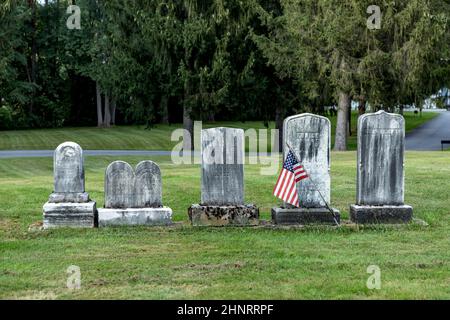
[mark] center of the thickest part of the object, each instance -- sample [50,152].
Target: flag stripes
[300,173]
[286,186]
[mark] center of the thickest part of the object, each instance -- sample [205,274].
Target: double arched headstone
[134,197]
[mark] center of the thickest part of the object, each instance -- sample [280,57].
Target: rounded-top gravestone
[309,137]
[119,185]
[69,205]
[68,168]
[148,185]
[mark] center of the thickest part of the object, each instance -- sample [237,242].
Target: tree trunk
[55,63]
[188,126]
[164,105]
[340,142]
[401,109]
[107,122]
[99,106]
[279,127]
[349,118]
[33,41]
[362,105]
[113,111]
[33,57]
[211,116]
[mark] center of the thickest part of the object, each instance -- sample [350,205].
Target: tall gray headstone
[380,169]
[148,185]
[133,197]
[222,166]
[222,181]
[119,185]
[69,205]
[380,177]
[308,136]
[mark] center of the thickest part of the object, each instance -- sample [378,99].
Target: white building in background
[444,94]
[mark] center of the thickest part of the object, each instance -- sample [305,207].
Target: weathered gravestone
[133,197]
[119,186]
[309,137]
[69,205]
[380,173]
[222,170]
[148,185]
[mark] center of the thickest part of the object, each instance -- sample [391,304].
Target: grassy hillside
[138,138]
[248,263]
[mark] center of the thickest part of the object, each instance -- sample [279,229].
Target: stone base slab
[300,216]
[219,216]
[74,215]
[135,217]
[69,197]
[381,214]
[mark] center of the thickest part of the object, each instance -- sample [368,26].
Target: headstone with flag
[292,173]
[306,202]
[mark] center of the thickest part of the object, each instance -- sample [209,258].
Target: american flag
[292,173]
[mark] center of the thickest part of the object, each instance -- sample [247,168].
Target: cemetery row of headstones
[134,197]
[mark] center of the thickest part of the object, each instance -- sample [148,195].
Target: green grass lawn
[182,262]
[137,138]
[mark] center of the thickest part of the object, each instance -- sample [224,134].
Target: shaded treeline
[167,61]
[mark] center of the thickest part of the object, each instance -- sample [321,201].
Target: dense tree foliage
[166,61]
[328,48]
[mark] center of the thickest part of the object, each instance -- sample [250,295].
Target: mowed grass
[138,138]
[183,262]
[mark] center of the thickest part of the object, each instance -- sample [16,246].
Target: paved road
[428,136]
[49,153]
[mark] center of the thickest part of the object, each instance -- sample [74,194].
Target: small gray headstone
[148,186]
[309,137]
[119,185]
[68,168]
[69,205]
[380,159]
[222,167]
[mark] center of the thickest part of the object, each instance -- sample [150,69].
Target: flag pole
[315,186]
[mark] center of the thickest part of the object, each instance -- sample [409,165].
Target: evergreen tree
[322,41]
